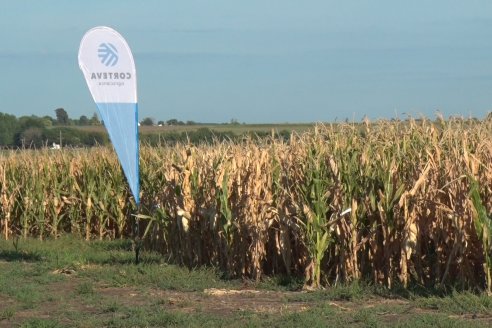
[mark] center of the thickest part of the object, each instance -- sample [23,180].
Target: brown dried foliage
[238,206]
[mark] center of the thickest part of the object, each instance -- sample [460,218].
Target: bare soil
[221,302]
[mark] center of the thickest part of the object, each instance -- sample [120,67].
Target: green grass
[40,323]
[458,303]
[100,285]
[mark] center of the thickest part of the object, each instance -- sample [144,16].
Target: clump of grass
[7,314]
[85,288]
[40,323]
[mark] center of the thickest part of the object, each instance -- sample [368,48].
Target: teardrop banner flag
[109,70]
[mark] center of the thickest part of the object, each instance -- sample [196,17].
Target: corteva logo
[108,54]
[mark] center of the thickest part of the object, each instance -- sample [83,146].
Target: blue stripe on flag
[121,121]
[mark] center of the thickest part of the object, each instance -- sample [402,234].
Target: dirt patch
[6,302]
[213,301]
[60,298]
[66,297]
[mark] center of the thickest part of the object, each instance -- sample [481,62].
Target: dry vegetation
[420,196]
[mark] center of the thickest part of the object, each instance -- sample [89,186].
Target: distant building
[55,146]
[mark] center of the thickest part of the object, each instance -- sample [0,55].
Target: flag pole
[136,240]
[137,243]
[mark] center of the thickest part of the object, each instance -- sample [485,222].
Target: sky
[258,61]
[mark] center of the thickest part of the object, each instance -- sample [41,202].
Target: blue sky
[258,61]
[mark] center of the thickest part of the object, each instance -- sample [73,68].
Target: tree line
[39,132]
[35,132]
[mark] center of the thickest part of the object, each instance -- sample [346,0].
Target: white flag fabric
[109,70]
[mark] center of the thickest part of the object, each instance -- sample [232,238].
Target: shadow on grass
[126,258]
[126,261]
[11,256]
[114,245]
[433,296]
[437,290]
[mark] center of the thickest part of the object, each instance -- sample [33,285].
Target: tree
[8,127]
[48,121]
[95,120]
[26,122]
[147,121]
[172,122]
[31,137]
[30,131]
[61,116]
[84,120]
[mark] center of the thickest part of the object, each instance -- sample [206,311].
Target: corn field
[389,202]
